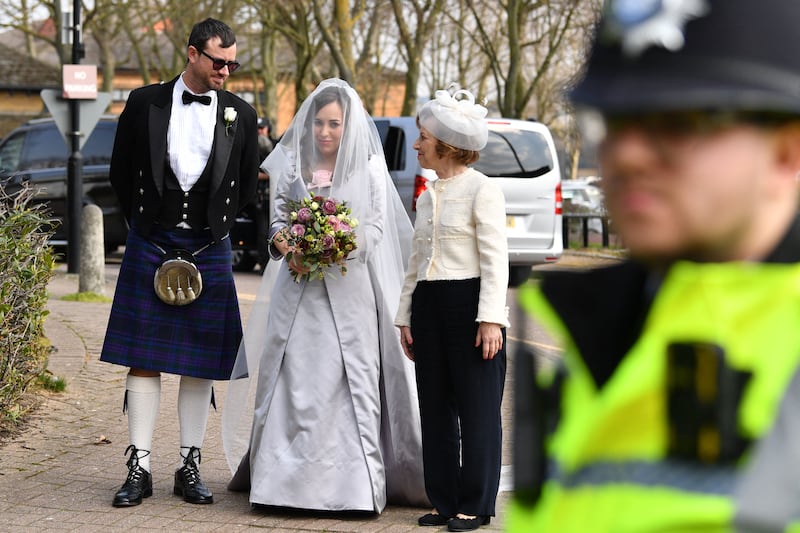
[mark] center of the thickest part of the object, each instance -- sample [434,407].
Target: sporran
[177,280]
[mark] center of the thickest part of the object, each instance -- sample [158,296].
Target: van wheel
[518,274]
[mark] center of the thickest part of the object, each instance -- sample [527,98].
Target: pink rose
[304,214]
[328,241]
[297,230]
[334,222]
[320,178]
[329,207]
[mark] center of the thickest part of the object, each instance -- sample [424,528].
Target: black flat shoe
[467,524]
[432,519]
[138,485]
[188,483]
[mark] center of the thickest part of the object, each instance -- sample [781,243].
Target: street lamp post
[75,162]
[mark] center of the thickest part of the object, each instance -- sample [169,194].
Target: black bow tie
[188,98]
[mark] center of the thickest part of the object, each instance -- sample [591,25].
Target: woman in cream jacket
[452,315]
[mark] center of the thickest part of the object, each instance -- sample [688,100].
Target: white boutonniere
[229,115]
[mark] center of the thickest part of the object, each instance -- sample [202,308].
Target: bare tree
[528,47]
[454,57]
[565,125]
[357,39]
[40,25]
[336,25]
[424,16]
[517,53]
[294,21]
[105,24]
[371,34]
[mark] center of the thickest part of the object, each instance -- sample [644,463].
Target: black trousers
[459,395]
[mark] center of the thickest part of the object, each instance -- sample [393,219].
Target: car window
[382,126]
[98,148]
[44,148]
[10,153]
[394,144]
[515,153]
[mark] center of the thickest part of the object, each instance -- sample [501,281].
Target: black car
[36,154]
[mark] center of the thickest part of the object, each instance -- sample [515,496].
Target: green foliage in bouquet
[322,235]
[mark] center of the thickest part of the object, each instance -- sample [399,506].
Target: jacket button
[184,216]
[141,209]
[185,205]
[186,194]
[233,183]
[227,201]
[141,191]
[224,218]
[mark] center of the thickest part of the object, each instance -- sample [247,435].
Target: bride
[335,424]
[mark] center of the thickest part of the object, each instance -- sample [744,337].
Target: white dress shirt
[190,135]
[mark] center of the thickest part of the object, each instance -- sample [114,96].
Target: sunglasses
[218,64]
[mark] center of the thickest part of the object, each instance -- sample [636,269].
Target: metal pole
[75,162]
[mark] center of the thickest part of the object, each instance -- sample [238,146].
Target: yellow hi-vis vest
[608,469]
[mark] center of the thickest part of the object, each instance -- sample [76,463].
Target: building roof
[21,73]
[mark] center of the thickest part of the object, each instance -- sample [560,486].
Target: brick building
[20,86]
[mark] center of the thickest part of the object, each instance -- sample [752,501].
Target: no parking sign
[79,82]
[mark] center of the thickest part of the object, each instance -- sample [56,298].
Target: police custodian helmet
[665,55]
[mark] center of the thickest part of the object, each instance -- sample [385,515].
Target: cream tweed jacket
[460,233]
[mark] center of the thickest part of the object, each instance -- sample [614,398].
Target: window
[394,144]
[44,148]
[515,153]
[10,154]
[98,148]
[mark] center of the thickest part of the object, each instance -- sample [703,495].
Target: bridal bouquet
[322,230]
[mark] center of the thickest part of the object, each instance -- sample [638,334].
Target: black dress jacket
[139,161]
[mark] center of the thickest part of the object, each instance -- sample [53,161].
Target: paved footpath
[61,473]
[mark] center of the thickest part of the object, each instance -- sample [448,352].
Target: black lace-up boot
[139,483]
[187,480]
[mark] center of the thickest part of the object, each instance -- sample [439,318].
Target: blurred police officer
[673,408]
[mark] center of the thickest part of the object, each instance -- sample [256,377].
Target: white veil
[359,173]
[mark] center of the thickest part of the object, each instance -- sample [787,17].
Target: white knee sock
[194,399]
[144,396]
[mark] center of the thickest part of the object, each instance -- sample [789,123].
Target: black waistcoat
[191,207]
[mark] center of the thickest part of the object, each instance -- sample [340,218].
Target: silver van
[520,154]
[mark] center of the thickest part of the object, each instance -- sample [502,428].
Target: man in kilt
[185,161]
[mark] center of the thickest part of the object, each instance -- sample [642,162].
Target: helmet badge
[639,24]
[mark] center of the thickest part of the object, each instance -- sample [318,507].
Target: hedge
[26,265]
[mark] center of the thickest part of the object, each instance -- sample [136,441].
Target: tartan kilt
[200,339]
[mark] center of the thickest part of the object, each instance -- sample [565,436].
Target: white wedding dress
[333,420]
[336,420]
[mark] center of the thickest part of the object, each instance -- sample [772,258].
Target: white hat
[454,121]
